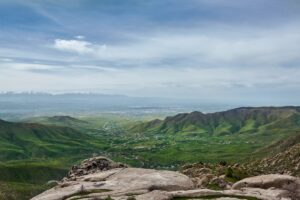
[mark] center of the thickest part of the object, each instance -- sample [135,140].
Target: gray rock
[272,182]
[99,178]
[93,165]
[268,181]
[119,181]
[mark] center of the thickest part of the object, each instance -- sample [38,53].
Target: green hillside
[65,121]
[32,154]
[59,121]
[236,135]
[28,140]
[239,120]
[106,124]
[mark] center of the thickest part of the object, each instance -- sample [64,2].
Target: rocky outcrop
[268,181]
[108,180]
[215,176]
[93,165]
[280,182]
[118,182]
[222,175]
[286,162]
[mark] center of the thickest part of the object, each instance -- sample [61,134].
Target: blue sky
[242,51]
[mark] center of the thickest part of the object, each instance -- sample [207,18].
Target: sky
[241,51]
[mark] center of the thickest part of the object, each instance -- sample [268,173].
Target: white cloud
[233,62]
[167,81]
[232,47]
[77,46]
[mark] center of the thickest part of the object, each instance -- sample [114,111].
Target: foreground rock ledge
[100,178]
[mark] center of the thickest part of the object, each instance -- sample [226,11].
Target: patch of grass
[131,198]
[234,175]
[20,191]
[109,198]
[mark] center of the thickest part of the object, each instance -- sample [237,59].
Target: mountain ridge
[226,122]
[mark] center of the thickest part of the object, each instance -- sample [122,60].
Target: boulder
[288,185]
[268,181]
[93,165]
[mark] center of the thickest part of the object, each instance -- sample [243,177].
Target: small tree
[108,198]
[229,173]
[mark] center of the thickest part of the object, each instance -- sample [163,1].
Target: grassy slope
[65,121]
[20,191]
[24,179]
[31,154]
[25,140]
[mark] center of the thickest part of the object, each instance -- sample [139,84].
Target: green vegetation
[33,153]
[108,198]
[234,175]
[19,190]
[131,198]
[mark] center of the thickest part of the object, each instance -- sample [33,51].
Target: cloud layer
[242,52]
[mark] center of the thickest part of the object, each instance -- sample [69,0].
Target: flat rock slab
[268,181]
[149,184]
[287,185]
[118,181]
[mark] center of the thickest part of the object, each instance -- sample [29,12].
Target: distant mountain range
[235,121]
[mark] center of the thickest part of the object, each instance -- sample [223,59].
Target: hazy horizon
[163,101]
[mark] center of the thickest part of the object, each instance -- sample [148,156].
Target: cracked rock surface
[104,179]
